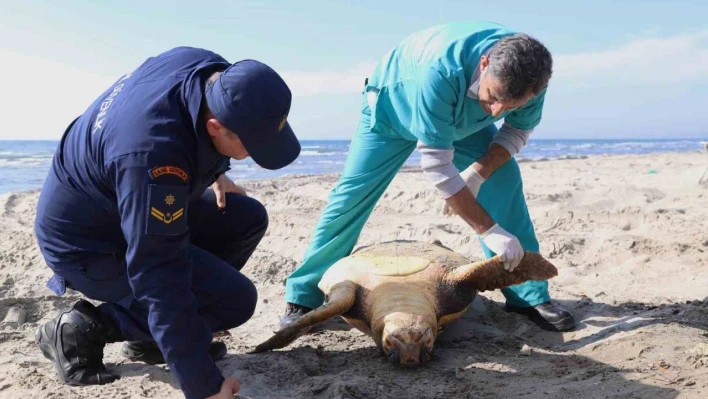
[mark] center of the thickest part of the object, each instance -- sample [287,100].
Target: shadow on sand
[480,356]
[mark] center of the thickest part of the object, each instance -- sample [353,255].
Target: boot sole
[562,325]
[559,326]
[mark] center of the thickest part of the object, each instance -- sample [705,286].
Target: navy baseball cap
[253,101]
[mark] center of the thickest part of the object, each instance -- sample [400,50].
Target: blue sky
[623,69]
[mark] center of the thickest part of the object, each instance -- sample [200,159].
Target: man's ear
[214,127]
[483,63]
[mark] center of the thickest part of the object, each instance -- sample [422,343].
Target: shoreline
[413,169]
[36,174]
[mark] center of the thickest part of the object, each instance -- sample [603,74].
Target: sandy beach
[629,235]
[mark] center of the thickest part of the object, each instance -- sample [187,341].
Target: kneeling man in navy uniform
[137,213]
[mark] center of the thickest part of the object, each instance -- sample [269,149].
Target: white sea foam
[307,153]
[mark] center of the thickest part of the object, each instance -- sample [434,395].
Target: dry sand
[629,235]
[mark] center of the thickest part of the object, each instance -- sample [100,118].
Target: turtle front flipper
[490,274]
[341,297]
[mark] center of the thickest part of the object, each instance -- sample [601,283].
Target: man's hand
[505,245]
[229,388]
[224,185]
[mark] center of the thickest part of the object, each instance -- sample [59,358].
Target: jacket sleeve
[152,191]
[225,166]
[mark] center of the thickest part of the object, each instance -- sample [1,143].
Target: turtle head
[407,340]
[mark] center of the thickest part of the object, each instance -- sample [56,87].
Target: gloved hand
[505,245]
[473,180]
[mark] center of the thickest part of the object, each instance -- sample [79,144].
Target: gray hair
[522,64]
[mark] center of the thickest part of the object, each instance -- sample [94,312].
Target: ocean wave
[584,146]
[521,159]
[597,147]
[307,153]
[239,166]
[10,155]
[24,162]
[637,144]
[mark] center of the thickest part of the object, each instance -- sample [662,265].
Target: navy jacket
[130,165]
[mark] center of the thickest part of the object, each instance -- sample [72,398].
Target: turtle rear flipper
[341,297]
[490,274]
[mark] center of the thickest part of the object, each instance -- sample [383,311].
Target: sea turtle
[402,292]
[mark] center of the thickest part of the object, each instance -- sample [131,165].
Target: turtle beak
[408,353]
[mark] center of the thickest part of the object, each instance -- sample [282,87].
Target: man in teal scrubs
[440,91]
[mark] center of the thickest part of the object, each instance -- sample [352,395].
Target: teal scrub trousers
[372,163]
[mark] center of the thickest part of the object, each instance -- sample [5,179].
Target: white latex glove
[505,245]
[473,180]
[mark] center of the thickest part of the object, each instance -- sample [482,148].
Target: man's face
[225,141]
[489,87]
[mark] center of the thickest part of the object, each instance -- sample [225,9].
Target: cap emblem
[282,123]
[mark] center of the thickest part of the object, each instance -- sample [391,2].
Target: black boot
[150,353]
[547,316]
[74,342]
[292,313]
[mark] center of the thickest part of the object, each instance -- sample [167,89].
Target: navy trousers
[221,243]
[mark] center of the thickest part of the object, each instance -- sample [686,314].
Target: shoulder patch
[167,208]
[168,170]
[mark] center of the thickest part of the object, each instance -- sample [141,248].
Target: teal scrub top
[422,86]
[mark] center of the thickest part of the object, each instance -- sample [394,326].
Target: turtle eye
[424,355]
[393,341]
[393,356]
[426,337]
